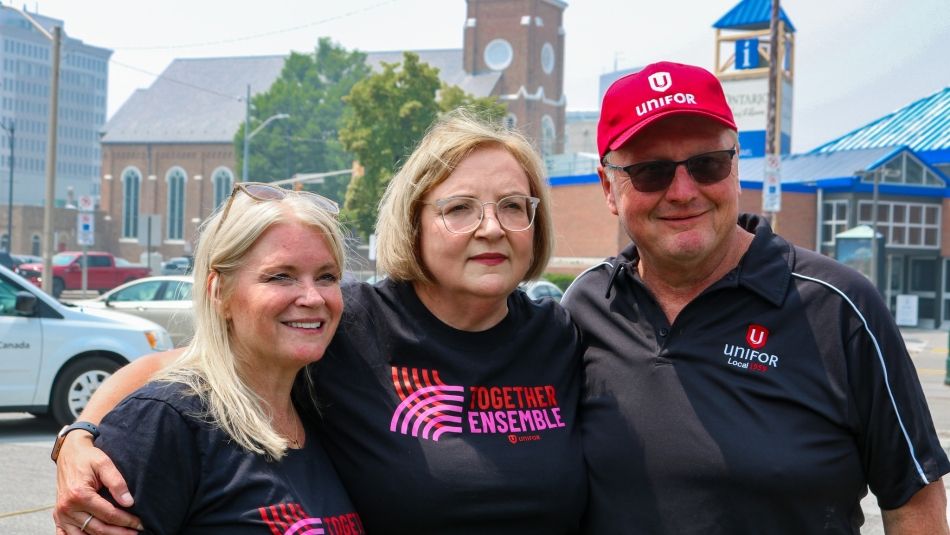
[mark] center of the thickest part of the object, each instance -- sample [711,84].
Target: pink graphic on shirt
[291,519]
[429,407]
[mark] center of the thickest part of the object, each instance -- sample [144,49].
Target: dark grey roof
[197,100]
[449,63]
[200,100]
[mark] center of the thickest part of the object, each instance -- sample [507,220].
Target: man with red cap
[734,383]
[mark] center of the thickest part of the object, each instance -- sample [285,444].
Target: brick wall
[154,161]
[796,221]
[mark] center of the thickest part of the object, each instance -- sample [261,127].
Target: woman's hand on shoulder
[82,469]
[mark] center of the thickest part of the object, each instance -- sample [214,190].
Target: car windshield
[63,259]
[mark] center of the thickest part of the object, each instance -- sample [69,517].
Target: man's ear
[608,187]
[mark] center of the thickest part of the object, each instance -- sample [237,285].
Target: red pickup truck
[105,272]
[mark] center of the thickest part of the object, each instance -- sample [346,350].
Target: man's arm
[924,514]
[82,469]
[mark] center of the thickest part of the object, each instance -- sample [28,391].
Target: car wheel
[58,287]
[76,384]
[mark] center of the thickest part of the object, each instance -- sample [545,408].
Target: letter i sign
[756,336]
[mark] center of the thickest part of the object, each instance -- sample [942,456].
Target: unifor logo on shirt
[429,408]
[752,356]
[291,519]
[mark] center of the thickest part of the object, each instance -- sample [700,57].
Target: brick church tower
[523,42]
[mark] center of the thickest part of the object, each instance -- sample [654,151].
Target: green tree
[310,89]
[387,115]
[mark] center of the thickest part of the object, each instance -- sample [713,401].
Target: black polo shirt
[773,401]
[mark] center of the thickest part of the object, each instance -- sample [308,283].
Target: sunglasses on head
[262,192]
[705,168]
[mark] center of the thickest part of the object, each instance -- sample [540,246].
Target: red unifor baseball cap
[658,90]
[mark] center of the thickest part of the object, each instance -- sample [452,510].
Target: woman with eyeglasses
[448,398]
[216,442]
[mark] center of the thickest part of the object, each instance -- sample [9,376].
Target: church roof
[201,100]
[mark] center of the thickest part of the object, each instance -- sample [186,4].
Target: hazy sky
[855,60]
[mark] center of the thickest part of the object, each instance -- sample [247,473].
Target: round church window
[498,54]
[547,58]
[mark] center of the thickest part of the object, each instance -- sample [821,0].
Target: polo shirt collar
[765,269]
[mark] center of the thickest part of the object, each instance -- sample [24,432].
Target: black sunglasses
[705,168]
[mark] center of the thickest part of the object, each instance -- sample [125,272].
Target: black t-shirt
[769,406]
[435,430]
[189,477]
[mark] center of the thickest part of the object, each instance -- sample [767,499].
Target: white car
[166,300]
[53,357]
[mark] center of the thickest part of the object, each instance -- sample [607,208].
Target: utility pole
[772,150]
[50,208]
[11,133]
[247,128]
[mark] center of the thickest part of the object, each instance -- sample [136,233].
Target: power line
[235,40]
[259,35]
[186,84]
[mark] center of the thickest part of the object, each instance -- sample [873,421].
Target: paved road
[28,477]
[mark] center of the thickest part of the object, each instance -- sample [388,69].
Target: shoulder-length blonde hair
[208,365]
[449,141]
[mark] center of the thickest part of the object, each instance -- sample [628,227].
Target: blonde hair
[449,141]
[208,365]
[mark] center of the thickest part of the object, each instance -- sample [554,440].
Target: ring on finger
[86,523]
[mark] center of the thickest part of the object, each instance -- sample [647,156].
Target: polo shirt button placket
[664,332]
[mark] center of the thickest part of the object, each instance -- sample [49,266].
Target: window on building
[131,186]
[904,169]
[223,180]
[175,181]
[834,219]
[35,246]
[904,224]
[548,134]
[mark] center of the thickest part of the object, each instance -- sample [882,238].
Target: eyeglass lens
[707,168]
[464,214]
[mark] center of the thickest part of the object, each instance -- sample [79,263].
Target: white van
[52,358]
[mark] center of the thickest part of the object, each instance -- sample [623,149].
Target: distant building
[168,151]
[24,104]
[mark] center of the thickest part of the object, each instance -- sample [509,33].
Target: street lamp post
[11,132]
[249,135]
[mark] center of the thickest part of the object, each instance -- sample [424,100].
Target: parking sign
[85,228]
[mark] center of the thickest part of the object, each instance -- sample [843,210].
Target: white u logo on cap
[660,81]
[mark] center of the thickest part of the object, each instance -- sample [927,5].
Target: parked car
[165,300]
[20,259]
[53,357]
[7,261]
[179,265]
[541,288]
[104,272]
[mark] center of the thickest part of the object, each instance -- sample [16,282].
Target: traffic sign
[772,184]
[85,228]
[86,203]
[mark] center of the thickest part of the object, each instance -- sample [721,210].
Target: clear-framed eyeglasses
[262,192]
[461,215]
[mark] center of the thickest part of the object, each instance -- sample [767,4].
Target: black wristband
[85,426]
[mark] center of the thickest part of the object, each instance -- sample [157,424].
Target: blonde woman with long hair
[448,399]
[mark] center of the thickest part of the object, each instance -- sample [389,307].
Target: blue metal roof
[836,171]
[924,126]
[810,167]
[751,15]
